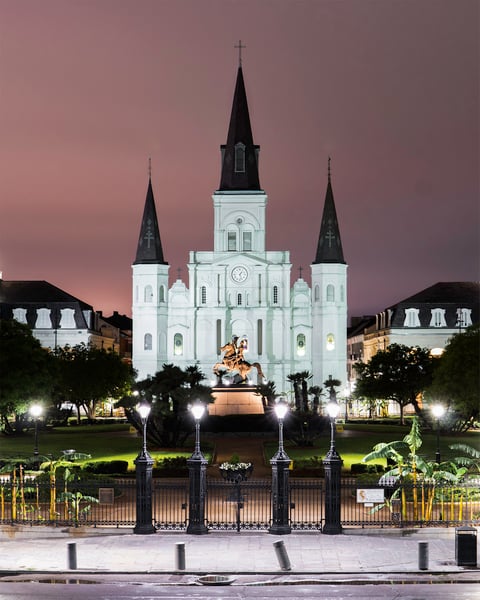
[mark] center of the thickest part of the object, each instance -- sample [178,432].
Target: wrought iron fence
[236,507]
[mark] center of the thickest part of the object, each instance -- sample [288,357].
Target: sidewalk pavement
[356,554]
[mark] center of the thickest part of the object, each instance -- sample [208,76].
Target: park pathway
[248,447]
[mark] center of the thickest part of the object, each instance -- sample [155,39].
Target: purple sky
[91,88]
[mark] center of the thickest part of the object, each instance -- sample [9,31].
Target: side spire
[329,248]
[239,154]
[149,247]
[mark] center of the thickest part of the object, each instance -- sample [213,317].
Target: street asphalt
[357,555]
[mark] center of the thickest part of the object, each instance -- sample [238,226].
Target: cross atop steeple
[329,172]
[240,46]
[149,167]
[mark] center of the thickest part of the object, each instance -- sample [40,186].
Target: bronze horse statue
[233,362]
[242,367]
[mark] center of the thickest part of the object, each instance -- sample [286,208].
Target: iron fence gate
[229,506]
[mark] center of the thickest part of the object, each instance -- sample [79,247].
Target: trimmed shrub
[106,467]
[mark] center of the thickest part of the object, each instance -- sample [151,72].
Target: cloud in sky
[90,90]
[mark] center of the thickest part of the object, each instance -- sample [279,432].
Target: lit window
[438,318]
[239,158]
[147,294]
[330,342]
[203,294]
[232,241]
[300,344]
[178,344]
[411,317]
[330,293]
[147,341]
[275,294]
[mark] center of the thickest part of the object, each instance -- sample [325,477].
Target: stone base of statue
[235,400]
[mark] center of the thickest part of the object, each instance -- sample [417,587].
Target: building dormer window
[20,315]
[464,317]
[239,158]
[411,317]
[438,318]
[43,319]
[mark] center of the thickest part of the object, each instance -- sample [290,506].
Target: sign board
[371,495]
[105,495]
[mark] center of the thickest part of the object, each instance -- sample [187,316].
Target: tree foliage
[26,372]
[399,373]
[170,392]
[456,381]
[87,375]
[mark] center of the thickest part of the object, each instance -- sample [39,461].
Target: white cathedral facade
[240,288]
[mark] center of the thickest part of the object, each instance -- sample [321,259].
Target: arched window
[161,293]
[147,294]
[178,344]
[247,241]
[147,341]
[301,344]
[275,294]
[232,241]
[239,299]
[330,293]
[330,341]
[342,294]
[203,294]
[239,158]
[317,293]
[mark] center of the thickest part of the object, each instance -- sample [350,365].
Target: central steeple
[239,154]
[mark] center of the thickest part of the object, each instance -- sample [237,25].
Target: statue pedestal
[235,400]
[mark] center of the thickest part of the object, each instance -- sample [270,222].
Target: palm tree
[315,391]
[268,393]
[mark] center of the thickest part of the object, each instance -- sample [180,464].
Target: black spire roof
[329,249]
[149,248]
[235,176]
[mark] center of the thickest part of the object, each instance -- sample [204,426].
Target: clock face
[239,274]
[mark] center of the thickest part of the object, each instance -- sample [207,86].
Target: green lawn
[354,441]
[102,442]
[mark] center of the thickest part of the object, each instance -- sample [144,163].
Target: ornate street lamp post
[143,474]
[332,464]
[197,475]
[280,471]
[438,411]
[36,410]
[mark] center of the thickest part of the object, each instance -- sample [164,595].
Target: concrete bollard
[282,555]
[72,555]
[423,556]
[180,556]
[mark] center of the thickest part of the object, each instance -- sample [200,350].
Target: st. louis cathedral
[240,289]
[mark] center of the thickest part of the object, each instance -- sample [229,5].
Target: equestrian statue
[233,361]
